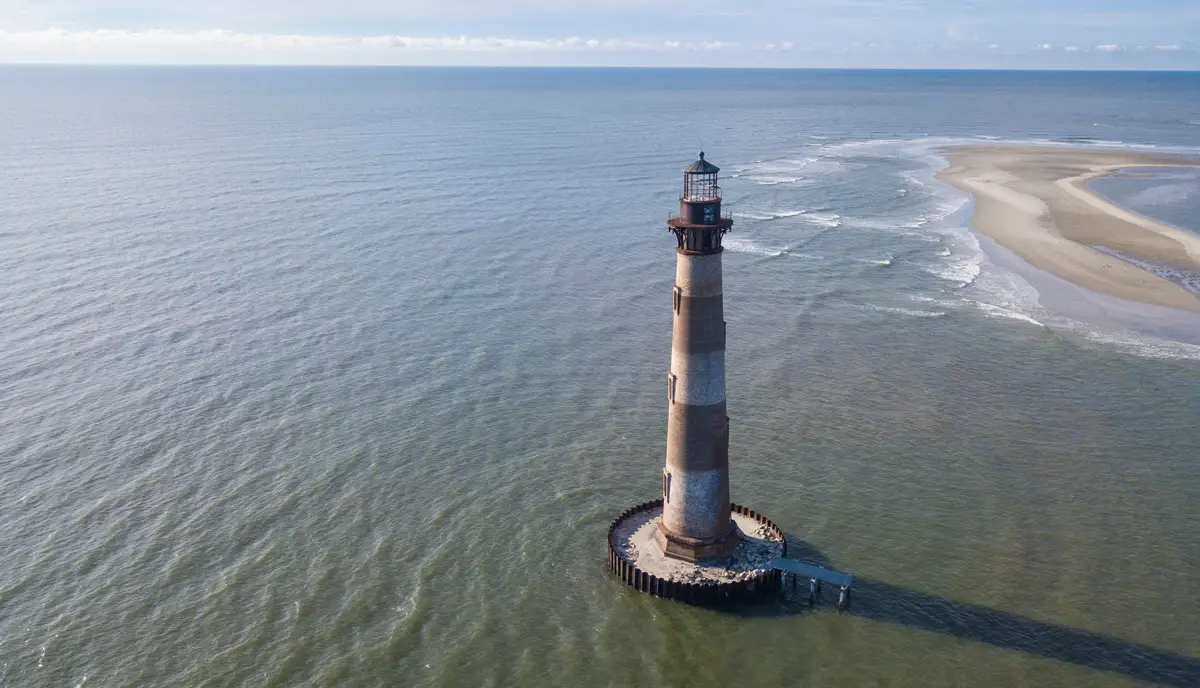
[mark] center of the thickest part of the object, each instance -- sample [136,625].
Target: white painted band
[698,275]
[699,377]
[692,509]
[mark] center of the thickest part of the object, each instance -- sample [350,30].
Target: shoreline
[1119,174]
[1034,202]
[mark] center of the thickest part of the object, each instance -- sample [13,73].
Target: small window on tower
[678,299]
[671,387]
[667,486]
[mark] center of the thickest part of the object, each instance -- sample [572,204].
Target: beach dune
[1033,201]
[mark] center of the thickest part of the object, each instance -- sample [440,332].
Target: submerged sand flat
[1033,201]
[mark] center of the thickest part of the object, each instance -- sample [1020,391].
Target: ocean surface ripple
[335,377]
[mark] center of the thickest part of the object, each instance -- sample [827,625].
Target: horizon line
[326,65]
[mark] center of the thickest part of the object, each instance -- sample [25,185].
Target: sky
[940,34]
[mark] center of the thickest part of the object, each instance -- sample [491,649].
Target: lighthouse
[692,544]
[695,524]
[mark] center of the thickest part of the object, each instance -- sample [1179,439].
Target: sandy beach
[1033,200]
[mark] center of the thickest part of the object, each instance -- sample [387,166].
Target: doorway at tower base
[744,576]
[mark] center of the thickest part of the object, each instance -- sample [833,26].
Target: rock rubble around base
[633,540]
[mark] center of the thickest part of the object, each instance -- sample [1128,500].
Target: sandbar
[1033,201]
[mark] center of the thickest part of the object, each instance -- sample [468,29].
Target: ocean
[336,377]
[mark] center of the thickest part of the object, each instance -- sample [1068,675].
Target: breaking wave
[744,245]
[826,220]
[767,215]
[895,310]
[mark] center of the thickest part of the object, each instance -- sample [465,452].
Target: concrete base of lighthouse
[742,575]
[695,550]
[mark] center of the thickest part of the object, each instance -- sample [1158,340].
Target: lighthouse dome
[701,166]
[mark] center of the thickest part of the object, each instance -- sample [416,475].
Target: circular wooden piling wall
[762,585]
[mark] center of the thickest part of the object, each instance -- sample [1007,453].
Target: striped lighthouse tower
[696,524]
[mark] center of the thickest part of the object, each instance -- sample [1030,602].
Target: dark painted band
[699,325]
[697,437]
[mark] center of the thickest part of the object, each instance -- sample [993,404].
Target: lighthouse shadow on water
[883,602]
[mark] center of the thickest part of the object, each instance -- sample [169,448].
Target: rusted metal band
[697,437]
[699,325]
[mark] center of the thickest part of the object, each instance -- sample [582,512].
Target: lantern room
[700,181]
[700,223]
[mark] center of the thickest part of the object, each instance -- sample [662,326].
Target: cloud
[156,39]
[916,33]
[476,16]
[321,11]
[223,46]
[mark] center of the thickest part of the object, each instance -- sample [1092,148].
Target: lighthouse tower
[692,544]
[696,524]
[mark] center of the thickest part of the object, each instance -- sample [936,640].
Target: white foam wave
[836,148]
[744,245]
[1142,345]
[921,236]
[883,263]
[949,206]
[1002,312]
[772,180]
[912,312]
[826,220]
[962,262]
[886,225]
[777,165]
[929,146]
[1107,143]
[766,216]
[999,292]
[962,269]
[777,171]
[940,303]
